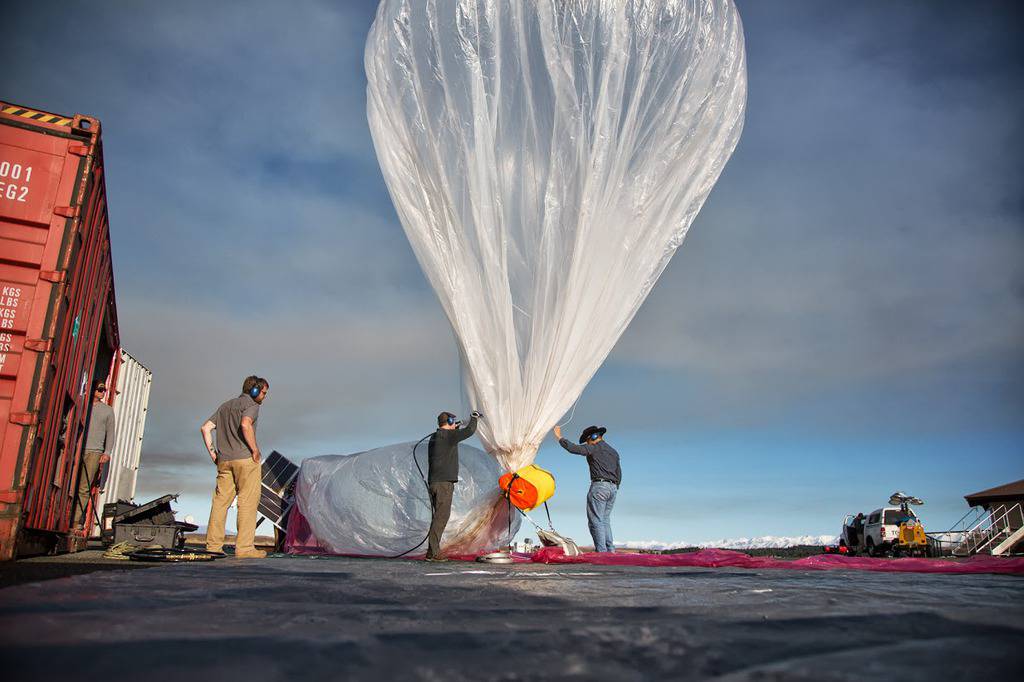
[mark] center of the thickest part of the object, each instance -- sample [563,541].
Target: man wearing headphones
[605,476]
[237,457]
[443,461]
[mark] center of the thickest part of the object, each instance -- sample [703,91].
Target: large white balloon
[546,158]
[376,503]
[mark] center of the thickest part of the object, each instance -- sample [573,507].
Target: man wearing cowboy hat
[605,476]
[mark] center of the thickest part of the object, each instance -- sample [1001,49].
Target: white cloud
[350,377]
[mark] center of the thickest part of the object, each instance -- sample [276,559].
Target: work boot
[437,559]
[251,554]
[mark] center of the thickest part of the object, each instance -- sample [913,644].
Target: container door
[37,183]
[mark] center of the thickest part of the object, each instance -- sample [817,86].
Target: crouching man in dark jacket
[605,477]
[443,462]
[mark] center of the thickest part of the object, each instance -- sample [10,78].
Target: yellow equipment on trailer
[911,540]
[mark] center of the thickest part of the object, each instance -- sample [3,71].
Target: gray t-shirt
[228,420]
[100,436]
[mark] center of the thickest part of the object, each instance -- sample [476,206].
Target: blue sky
[845,318]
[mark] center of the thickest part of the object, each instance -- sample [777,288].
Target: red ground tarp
[301,540]
[716,558]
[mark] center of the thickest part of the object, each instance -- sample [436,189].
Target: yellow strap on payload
[529,487]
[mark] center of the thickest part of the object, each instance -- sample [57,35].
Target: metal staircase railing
[968,520]
[990,530]
[946,542]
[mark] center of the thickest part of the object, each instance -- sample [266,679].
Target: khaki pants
[239,477]
[87,470]
[441,504]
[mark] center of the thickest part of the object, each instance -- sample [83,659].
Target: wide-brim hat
[591,430]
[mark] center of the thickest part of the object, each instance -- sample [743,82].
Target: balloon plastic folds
[376,503]
[546,160]
[529,487]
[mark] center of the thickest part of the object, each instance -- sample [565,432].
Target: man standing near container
[237,457]
[605,477]
[99,439]
[443,474]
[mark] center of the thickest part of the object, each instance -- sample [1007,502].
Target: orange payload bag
[529,487]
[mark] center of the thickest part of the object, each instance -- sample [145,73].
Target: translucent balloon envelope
[375,503]
[546,158]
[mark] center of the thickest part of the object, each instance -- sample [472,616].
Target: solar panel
[278,472]
[276,496]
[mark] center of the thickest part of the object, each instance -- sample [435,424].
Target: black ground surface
[312,619]
[16,573]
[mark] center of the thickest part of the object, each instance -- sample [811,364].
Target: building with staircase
[997,522]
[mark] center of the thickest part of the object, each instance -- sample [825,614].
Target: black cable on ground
[427,485]
[173,555]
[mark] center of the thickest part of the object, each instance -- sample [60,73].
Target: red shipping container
[58,320]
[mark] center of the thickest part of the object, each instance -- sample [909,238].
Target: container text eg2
[11,177]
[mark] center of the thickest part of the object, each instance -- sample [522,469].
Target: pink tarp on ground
[300,540]
[715,558]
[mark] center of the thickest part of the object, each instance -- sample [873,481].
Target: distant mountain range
[764,542]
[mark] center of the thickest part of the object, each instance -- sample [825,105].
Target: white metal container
[131,403]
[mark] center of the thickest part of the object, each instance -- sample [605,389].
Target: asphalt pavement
[336,618]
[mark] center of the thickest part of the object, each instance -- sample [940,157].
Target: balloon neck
[516,457]
[487,528]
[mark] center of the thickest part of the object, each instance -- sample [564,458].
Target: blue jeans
[600,500]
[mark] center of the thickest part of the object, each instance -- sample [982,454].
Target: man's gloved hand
[476,415]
